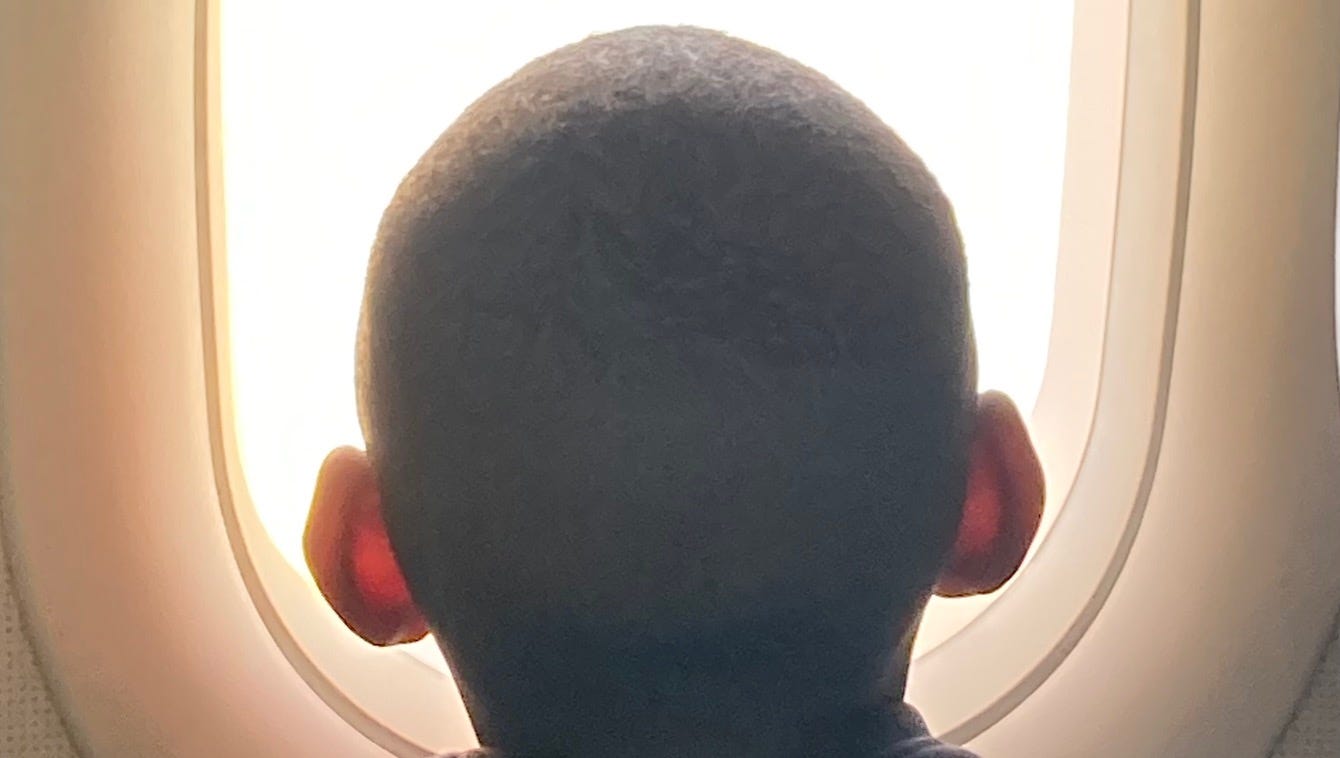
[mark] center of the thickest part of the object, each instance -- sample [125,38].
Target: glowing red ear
[1002,507]
[374,569]
[975,552]
[350,555]
[980,525]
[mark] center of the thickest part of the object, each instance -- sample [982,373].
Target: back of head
[667,335]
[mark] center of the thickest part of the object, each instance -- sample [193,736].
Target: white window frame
[1199,533]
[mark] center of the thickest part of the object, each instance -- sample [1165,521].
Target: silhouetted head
[665,351]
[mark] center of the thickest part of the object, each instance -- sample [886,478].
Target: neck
[769,695]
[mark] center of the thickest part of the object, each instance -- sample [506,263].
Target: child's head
[665,352]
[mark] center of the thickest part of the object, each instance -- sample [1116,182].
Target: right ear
[1003,505]
[349,553]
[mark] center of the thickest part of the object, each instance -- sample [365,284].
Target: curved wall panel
[110,507]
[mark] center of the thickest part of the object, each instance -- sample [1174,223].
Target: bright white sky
[327,105]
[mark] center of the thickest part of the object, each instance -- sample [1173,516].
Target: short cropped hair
[667,331]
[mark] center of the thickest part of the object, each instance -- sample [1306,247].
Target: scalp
[666,326]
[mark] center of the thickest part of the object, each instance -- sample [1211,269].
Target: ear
[349,553]
[1003,505]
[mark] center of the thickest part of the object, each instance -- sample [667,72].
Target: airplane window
[324,109]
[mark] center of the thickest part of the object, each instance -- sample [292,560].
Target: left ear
[350,556]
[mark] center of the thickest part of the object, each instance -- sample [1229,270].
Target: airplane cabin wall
[30,724]
[1314,731]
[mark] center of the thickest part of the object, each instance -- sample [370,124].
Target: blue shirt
[915,742]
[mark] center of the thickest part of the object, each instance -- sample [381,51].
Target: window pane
[325,107]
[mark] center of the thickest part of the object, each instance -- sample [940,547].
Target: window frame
[350,676]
